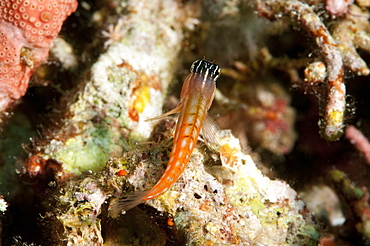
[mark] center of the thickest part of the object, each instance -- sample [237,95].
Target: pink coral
[338,7]
[358,139]
[27,28]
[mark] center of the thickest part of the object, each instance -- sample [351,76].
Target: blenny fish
[196,97]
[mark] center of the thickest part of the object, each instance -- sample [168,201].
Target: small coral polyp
[30,24]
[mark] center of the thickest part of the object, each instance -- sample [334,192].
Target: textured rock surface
[127,85]
[230,203]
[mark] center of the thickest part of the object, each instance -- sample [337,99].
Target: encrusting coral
[27,28]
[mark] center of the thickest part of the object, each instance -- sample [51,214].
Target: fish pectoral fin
[173,111]
[211,133]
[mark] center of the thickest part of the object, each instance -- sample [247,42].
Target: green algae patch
[86,152]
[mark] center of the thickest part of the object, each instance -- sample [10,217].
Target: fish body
[196,98]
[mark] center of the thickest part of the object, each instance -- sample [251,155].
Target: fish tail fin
[125,203]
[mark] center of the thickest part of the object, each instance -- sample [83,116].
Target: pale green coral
[86,152]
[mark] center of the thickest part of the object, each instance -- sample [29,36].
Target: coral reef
[235,205]
[126,85]
[332,124]
[260,111]
[79,142]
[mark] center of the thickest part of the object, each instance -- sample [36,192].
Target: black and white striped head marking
[206,67]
